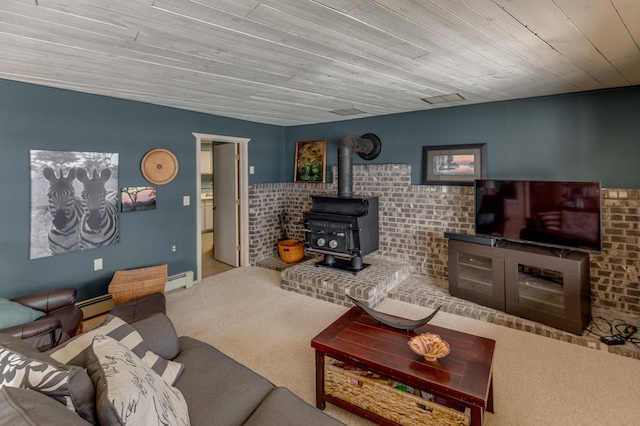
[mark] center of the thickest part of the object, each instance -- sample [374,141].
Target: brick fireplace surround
[413,220]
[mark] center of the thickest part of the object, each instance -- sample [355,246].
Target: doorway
[231,159]
[211,266]
[214,169]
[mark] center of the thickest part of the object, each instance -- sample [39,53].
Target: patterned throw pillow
[130,393]
[21,366]
[75,351]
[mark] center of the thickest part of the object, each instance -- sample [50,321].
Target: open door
[226,204]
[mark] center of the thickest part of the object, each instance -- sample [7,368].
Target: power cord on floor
[614,332]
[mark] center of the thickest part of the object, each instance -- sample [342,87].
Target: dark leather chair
[62,319]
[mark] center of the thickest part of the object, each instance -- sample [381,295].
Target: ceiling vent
[453,97]
[347,111]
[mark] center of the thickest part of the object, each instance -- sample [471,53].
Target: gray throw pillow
[13,313]
[159,334]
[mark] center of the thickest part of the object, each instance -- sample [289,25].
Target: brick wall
[414,218]
[615,280]
[266,201]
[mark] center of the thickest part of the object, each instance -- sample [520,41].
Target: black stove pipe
[368,146]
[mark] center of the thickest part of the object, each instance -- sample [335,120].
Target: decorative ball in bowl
[430,346]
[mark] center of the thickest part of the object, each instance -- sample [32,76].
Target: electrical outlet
[174,248]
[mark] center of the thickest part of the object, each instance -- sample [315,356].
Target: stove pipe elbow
[368,146]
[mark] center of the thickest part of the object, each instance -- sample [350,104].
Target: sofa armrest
[49,301]
[27,407]
[41,334]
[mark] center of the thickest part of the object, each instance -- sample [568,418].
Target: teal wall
[584,137]
[589,136]
[34,117]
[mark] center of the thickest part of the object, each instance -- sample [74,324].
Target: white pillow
[130,393]
[74,351]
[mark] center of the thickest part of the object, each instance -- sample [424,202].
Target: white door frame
[243,186]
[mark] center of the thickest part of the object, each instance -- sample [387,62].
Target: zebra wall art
[99,225]
[74,201]
[66,211]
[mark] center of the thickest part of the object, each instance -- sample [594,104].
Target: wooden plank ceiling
[290,62]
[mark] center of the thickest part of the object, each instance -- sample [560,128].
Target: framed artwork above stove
[311,160]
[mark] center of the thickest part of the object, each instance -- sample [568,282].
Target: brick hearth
[370,285]
[331,285]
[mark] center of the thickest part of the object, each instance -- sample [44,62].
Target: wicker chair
[133,283]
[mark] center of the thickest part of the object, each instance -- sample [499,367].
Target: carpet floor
[537,380]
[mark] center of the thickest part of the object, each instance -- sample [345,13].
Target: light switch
[252,170]
[97,264]
[186,200]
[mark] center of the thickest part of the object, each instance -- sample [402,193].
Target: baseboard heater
[95,306]
[102,304]
[184,279]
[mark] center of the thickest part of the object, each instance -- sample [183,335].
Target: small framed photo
[453,164]
[137,198]
[311,159]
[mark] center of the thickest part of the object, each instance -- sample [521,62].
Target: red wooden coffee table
[465,376]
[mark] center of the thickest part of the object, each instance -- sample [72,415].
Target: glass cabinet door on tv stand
[543,286]
[476,273]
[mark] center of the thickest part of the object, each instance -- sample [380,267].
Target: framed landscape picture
[137,198]
[453,164]
[311,157]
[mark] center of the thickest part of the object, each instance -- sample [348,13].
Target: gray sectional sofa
[217,390]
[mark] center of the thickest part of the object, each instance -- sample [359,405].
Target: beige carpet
[537,380]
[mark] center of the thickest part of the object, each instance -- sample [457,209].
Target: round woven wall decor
[159,166]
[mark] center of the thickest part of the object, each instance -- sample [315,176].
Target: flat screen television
[557,214]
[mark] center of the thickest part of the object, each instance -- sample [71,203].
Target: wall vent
[452,97]
[347,111]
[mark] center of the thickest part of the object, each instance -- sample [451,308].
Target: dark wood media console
[528,281]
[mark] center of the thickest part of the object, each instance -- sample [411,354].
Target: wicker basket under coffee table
[453,391]
[133,283]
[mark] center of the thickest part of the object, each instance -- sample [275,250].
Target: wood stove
[345,228]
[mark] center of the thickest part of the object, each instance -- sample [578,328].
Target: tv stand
[560,252]
[537,283]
